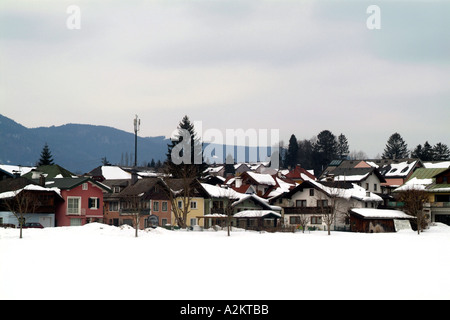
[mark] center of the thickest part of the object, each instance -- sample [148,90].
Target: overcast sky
[297,66]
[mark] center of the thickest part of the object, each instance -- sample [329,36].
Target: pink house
[83,201]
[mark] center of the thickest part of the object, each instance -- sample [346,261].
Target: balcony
[307,210]
[438,207]
[132,212]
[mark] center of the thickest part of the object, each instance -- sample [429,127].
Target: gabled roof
[141,187]
[300,173]
[50,172]
[369,213]
[355,174]
[71,183]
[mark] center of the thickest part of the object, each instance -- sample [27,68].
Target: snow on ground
[97,261]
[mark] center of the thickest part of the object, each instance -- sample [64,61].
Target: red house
[83,201]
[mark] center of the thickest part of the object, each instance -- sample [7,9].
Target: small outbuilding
[257,219]
[378,220]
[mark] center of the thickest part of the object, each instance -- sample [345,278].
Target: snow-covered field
[103,262]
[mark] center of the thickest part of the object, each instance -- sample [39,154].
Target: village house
[311,200]
[391,173]
[376,220]
[146,197]
[30,201]
[196,200]
[247,211]
[83,200]
[434,181]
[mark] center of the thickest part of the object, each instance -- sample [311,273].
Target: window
[193,204]
[316,220]
[94,203]
[180,204]
[85,186]
[301,203]
[75,222]
[164,206]
[74,205]
[322,203]
[375,187]
[155,206]
[311,192]
[163,222]
[193,222]
[114,206]
[294,220]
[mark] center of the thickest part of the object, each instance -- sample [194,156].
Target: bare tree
[303,220]
[413,199]
[137,208]
[180,190]
[330,204]
[20,203]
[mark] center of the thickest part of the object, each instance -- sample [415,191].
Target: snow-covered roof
[12,169]
[381,213]
[415,184]
[115,173]
[256,214]
[356,192]
[262,178]
[437,165]
[400,169]
[30,187]
[219,192]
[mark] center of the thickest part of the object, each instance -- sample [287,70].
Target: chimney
[134,177]
[238,182]
[42,180]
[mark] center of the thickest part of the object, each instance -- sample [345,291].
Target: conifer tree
[396,148]
[46,157]
[441,152]
[192,164]
[342,146]
[292,153]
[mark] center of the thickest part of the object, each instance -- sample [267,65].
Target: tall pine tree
[441,152]
[185,161]
[46,157]
[342,147]
[396,148]
[292,153]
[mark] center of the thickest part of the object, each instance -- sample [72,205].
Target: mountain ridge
[76,147]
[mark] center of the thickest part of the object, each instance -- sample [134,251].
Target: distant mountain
[76,147]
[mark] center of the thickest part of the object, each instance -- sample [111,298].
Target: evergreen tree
[324,150]
[396,148]
[46,157]
[229,165]
[185,165]
[424,153]
[342,147]
[441,152]
[305,154]
[292,153]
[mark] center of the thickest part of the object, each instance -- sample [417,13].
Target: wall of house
[371,225]
[86,213]
[46,219]
[159,212]
[370,182]
[193,213]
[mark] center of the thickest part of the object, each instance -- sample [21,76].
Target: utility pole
[137,123]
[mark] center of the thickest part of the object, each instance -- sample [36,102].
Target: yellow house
[436,182]
[197,208]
